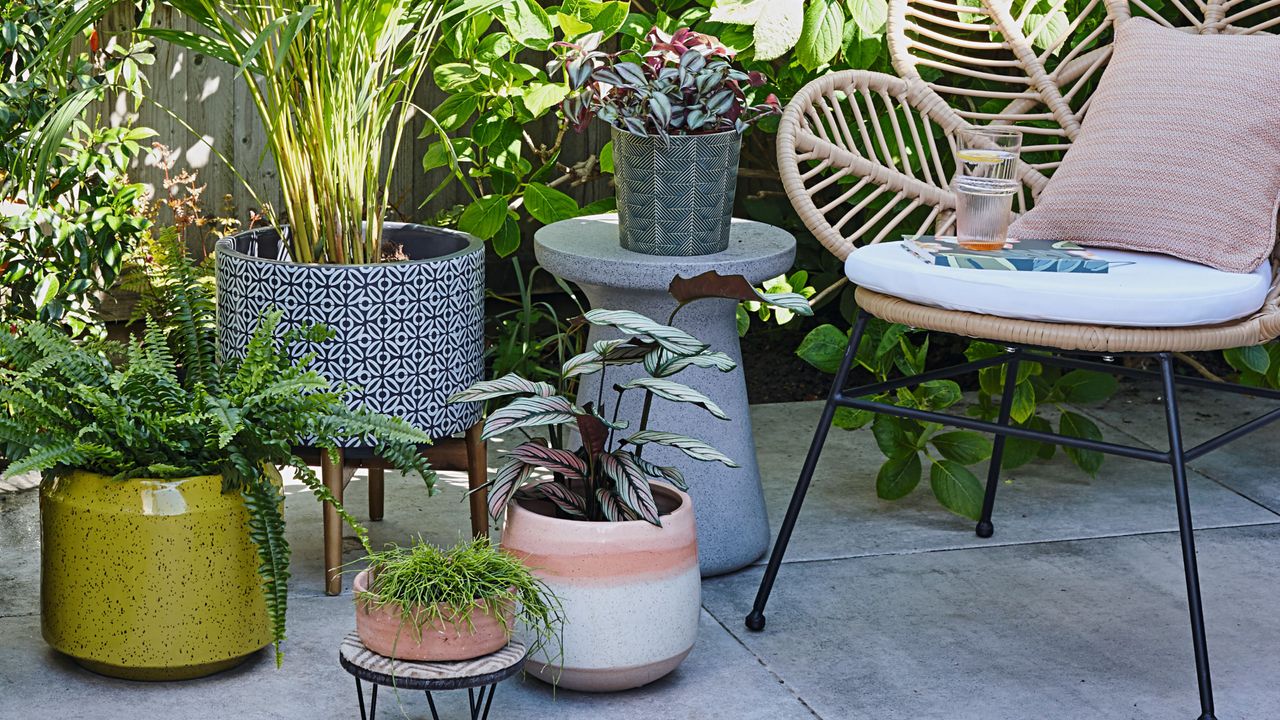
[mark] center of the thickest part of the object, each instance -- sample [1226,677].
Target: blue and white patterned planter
[409,333]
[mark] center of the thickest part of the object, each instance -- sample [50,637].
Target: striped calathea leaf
[567,501]
[607,352]
[676,392]
[605,478]
[530,412]
[633,323]
[507,385]
[509,478]
[558,461]
[663,472]
[694,448]
[631,484]
[661,362]
[712,284]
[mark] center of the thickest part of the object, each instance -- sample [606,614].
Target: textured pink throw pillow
[1179,152]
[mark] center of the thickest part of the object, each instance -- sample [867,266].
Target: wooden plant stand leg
[477,476]
[377,476]
[331,474]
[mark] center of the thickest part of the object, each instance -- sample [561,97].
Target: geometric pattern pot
[675,194]
[408,334]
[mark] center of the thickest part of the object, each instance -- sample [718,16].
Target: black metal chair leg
[1178,460]
[431,701]
[360,697]
[985,529]
[755,620]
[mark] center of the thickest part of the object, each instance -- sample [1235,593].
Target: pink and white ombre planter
[631,592]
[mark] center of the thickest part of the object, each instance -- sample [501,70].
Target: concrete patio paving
[885,611]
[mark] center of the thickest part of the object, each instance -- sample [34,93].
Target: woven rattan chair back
[866,156]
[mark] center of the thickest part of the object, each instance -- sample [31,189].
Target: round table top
[586,250]
[485,670]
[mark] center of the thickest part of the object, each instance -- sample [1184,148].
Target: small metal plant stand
[478,676]
[1177,456]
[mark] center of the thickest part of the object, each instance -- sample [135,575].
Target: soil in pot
[630,591]
[384,629]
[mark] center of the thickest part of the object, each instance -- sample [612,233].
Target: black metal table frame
[478,703]
[1176,457]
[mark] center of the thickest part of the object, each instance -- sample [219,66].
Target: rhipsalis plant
[681,84]
[606,478]
[161,407]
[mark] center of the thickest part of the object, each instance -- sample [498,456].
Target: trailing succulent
[606,478]
[683,84]
[162,407]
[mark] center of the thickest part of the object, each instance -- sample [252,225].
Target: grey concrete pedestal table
[733,529]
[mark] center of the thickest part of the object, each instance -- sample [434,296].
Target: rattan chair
[865,156]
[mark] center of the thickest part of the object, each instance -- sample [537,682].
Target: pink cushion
[1179,152]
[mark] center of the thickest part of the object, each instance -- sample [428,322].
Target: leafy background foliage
[69,216]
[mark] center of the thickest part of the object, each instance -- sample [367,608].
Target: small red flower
[94,43]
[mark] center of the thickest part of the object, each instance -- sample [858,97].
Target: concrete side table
[728,503]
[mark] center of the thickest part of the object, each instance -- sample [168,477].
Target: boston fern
[682,84]
[606,478]
[161,407]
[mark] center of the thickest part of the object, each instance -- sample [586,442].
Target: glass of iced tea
[986,181]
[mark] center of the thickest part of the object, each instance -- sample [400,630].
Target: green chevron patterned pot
[675,194]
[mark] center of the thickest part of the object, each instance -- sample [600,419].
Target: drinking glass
[986,181]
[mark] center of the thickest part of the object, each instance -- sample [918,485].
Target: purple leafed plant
[683,84]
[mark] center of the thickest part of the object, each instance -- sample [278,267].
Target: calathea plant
[606,478]
[162,408]
[683,83]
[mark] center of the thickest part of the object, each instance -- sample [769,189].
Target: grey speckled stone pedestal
[733,529]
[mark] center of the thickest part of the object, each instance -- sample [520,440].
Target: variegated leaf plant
[605,478]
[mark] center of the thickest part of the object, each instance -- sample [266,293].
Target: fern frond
[266,529]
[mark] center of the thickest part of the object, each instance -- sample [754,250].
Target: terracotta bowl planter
[385,631]
[630,592]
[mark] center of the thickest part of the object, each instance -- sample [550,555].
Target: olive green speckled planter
[149,579]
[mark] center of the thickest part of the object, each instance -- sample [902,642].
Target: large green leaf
[1085,386]
[824,348]
[898,476]
[1253,358]
[822,33]
[547,204]
[528,23]
[963,446]
[1076,425]
[541,97]
[956,488]
[484,217]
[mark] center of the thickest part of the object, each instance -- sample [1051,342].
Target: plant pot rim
[179,480]
[670,136]
[473,244]
[637,527]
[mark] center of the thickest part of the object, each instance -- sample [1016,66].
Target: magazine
[1023,255]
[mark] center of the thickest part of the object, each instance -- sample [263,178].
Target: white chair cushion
[1155,291]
